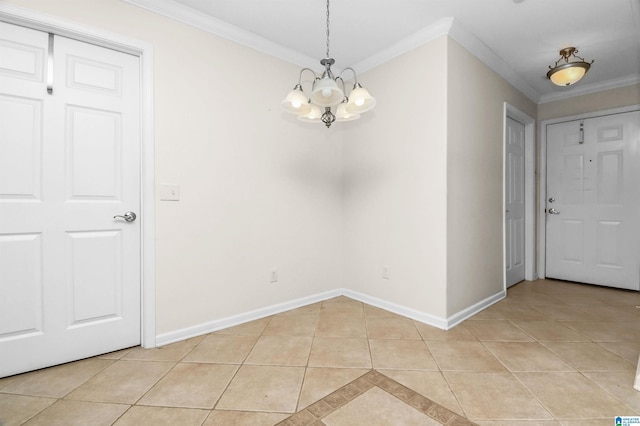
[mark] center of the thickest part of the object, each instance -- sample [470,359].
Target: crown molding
[407,44]
[481,51]
[588,89]
[446,26]
[452,28]
[194,18]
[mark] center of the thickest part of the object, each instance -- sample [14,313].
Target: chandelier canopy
[328,94]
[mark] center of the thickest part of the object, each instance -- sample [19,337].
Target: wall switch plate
[169,192]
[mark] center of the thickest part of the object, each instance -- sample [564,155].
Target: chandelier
[568,73]
[328,94]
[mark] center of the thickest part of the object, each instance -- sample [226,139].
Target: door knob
[128,216]
[553,211]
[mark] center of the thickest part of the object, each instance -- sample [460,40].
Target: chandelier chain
[328,29]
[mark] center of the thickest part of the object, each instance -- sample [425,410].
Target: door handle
[553,211]
[128,216]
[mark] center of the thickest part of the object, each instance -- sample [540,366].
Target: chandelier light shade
[566,73]
[360,100]
[328,100]
[296,102]
[343,114]
[326,92]
[313,116]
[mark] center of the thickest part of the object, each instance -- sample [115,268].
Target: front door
[69,162]
[593,201]
[514,202]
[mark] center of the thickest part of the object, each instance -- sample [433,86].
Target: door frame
[143,50]
[529,192]
[542,215]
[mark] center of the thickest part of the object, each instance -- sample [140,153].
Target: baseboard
[441,323]
[209,327]
[398,309]
[457,318]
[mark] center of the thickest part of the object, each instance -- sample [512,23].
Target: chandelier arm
[315,77]
[343,88]
[355,76]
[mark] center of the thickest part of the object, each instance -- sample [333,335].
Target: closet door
[69,162]
[593,200]
[514,202]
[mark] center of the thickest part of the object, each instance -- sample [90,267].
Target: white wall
[395,188]
[475,168]
[423,181]
[258,189]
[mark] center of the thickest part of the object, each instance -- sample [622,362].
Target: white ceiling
[525,34]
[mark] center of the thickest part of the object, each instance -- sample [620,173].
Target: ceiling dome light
[568,73]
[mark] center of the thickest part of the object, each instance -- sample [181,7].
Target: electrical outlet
[274,276]
[386,273]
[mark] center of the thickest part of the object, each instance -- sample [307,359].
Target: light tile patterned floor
[551,353]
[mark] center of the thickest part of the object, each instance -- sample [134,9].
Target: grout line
[366,329]
[605,390]
[306,366]
[536,396]
[156,382]
[241,363]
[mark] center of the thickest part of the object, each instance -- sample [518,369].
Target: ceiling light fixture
[568,73]
[326,94]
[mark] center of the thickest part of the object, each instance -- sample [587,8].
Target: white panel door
[593,201]
[69,162]
[514,202]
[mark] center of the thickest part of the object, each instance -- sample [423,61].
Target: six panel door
[593,170]
[514,202]
[69,162]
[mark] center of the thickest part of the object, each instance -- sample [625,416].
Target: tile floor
[551,353]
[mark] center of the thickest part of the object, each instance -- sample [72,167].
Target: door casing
[30,19]
[542,216]
[529,192]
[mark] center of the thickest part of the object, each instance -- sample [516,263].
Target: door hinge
[50,66]
[581,132]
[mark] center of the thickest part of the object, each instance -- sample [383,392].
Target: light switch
[169,192]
